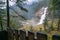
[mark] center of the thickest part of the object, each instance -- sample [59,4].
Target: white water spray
[43,16]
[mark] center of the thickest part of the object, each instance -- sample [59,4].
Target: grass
[41,27]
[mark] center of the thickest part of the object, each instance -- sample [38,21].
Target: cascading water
[43,16]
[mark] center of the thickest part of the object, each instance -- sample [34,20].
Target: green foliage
[45,24]
[19,4]
[20,1]
[55,4]
[54,7]
[19,14]
[3,16]
[31,28]
[59,24]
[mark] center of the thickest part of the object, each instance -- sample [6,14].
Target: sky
[11,2]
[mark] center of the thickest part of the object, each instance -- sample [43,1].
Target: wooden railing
[21,35]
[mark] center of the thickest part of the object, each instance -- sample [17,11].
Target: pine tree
[3,22]
[54,5]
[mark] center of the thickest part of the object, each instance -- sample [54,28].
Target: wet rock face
[39,13]
[35,20]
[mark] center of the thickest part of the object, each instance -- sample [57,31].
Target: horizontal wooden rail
[41,36]
[21,35]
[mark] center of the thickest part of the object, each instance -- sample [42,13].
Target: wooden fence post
[30,35]
[41,36]
[56,37]
[10,34]
[16,35]
[3,35]
[22,35]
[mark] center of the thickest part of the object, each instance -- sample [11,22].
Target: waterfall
[43,16]
[41,21]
